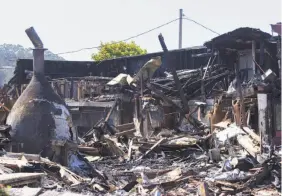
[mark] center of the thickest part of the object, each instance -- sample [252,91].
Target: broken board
[20,178]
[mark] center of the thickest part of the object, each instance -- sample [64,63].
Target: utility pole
[180,28]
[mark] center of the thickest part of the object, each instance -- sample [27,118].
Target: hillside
[9,54]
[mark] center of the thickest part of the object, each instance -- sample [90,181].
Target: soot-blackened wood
[175,77]
[243,121]
[164,97]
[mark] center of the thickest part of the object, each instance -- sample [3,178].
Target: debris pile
[194,132]
[179,164]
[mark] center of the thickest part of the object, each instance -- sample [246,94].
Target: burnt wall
[188,58]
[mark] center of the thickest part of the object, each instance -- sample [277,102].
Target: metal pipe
[38,61]
[38,52]
[34,38]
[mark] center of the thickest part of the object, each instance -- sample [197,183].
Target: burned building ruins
[189,121]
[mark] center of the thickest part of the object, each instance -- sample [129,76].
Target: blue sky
[66,25]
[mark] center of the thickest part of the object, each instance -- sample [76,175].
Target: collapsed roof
[240,38]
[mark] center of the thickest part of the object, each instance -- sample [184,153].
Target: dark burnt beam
[254,56]
[261,59]
[175,77]
[243,121]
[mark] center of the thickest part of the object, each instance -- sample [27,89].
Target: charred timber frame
[184,101]
[175,77]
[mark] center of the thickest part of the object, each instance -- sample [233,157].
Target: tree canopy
[110,50]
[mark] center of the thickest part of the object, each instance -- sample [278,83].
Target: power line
[132,37]
[186,18]
[143,33]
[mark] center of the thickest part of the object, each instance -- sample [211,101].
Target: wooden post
[62,88]
[79,90]
[140,109]
[243,121]
[67,89]
[119,112]
[279,55]
[71,88]
[261,59]
[137,114]
[265,120]
[175,77]
[203,84]
[75,90]
[254,56]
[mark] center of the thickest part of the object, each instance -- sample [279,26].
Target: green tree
[110,50]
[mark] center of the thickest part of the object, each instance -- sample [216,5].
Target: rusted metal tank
[39,115]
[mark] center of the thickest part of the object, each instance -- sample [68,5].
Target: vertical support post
[279,55]
[62,88]
[175,77]
[71,88]
[119,112]
[75,90]
[243,121]
[137,107]
[203,94]
[67,89]
[203,85]
[265,120]
[254,56]
[141,85]
[79,90]
[140,108]
[137,113]
[180,28]
[261,50]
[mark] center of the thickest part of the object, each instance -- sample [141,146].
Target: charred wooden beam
[137,114]
[125,127]
[111,110]
[192,120]
[17,179]
[175,77]
[203,94]
[254,56]
[164,97]
[151,149]
[261,59]
[127,132]
[243,121]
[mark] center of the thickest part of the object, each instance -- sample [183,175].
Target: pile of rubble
[174,144]
[168,162]
[144,158]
